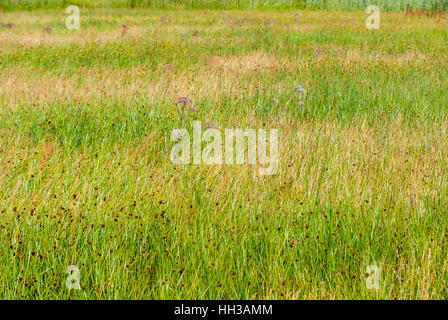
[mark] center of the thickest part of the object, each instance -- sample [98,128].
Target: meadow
[86,177]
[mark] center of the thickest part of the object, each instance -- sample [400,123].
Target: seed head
[7,25]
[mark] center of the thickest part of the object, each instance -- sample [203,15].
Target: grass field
[389,5]
[86,177]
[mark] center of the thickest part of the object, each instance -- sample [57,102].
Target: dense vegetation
[392,5]
[86,178]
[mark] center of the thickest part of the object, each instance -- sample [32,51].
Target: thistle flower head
[175,134]
[208,124]
[299,89]
[168,67]
[184,101]
[125,29]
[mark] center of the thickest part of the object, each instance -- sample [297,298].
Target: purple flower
[184,101]
[168,67]
[176,134]
[299,89]
[125,30]
[208,124]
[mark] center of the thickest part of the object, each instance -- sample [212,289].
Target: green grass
[86,179]
[390,5]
